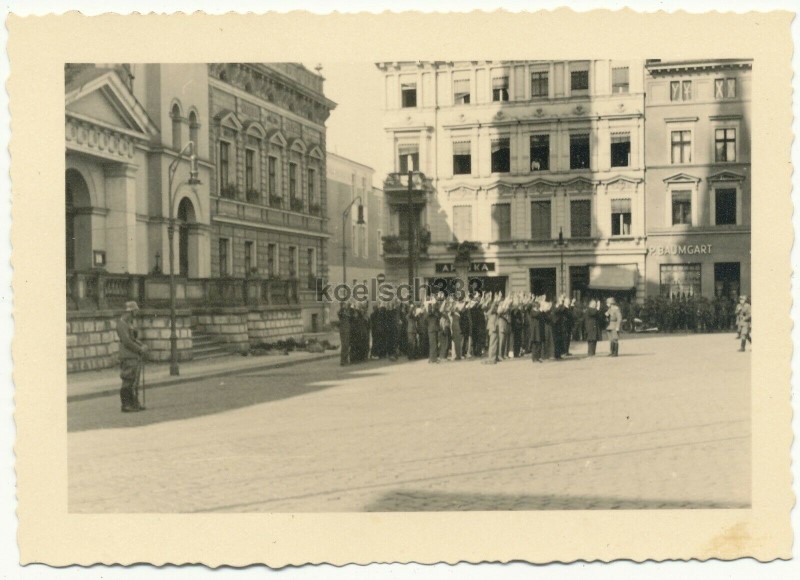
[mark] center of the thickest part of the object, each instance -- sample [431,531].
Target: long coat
[536,325]
[594,330]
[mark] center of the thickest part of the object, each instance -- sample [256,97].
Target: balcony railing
[99,290]
[396,183]
[398,246]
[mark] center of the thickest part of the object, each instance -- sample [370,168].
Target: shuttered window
[462,223]
[581,218]
[540,220]
[501,221]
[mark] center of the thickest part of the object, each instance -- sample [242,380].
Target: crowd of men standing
[484,325]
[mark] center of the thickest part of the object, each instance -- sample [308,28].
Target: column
[120,185]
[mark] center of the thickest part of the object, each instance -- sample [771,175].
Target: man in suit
[132,352]
[536,324]
[432,313]
[592,324]
[490,305]
[614,317]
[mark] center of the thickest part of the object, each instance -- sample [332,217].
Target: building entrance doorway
[543,281]
[488,284]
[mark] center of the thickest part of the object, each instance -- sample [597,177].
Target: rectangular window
[293,180]
[725,88]
[273,175]
[580,214]
[681,208]
[249,264]
[680,91]
[725,145]
[620,217]
[249,169]
[354,239]
[224,165]
[681,146]
[540,152]
[500,87]
[726,279]
[579,80]
[680,280]
[224,266]
[408,158]
[620,150]
[540,85]
[619,80]
[272,259]
[462,158]
[312,186]
[292,262]
[379,243]
[462,223]
[501,155]
[461,91]
[579,152]
[501,221]
[725,207]
[408,91]
[540,220]
[364,241]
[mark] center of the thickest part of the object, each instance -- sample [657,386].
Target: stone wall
[92,341]
[270,324]
[228,325]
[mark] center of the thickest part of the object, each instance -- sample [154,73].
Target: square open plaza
[554,212]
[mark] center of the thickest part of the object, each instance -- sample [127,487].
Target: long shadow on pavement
[427,501]
[216,395]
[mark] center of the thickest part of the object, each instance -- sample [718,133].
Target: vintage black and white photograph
[345,289]
[409,286]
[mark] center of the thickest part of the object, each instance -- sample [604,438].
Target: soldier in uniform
[746,316]
[593,329]
[536,323]
[614,317]
[131,354]
[432,312]
[490,304]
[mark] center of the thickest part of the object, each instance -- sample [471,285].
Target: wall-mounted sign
[679,250]
[445,268]
[481,267]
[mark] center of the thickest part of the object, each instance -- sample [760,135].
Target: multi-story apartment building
[517,157]
[268,194]
[698,177]
[353,246]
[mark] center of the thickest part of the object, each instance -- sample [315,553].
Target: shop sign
[677,250]
[481,267]
[445,268]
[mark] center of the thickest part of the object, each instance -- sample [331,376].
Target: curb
[211,375]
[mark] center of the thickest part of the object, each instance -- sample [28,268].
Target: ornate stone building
[515,156]
[268,187]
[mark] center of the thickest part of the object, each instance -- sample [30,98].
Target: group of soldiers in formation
[482,325]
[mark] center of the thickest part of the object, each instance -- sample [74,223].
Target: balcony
[397,247]
[395,187]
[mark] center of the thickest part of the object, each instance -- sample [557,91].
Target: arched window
[78,222]
[176,127]
[186,216]
[194,130]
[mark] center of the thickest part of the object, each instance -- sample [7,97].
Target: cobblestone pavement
[665,425]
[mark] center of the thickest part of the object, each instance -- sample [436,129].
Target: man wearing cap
[746,323]
[614,317]
[131,353]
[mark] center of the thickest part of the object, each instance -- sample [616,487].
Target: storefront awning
[621,277]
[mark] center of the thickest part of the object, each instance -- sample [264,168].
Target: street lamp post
[411,236]
[193,180]
[360,222]
[562,243]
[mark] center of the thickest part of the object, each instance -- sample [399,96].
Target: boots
[614,348]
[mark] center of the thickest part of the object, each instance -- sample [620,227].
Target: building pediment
[682,178]
[105,101]
[539,186]
[462,190]
[726,176]
[500,189]
[580,184]
[228,118]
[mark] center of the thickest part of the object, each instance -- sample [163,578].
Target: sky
[355,127]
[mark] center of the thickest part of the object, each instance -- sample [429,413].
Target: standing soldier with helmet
[746,317]
[132,352]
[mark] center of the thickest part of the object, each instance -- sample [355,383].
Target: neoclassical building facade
[533,174]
